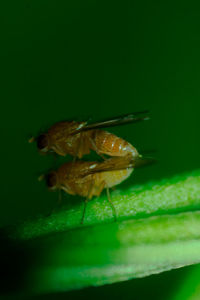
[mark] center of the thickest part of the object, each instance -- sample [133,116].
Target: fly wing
[142,162]
[120,120]
[118,163]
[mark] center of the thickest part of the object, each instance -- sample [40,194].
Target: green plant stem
[158,229]
[178,194]
[109,253]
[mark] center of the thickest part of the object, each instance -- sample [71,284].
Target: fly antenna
[41,177]
[31,140]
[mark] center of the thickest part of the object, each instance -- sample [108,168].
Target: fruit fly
[88,179]
[79,138]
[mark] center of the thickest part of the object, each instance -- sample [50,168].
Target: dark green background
[95,59]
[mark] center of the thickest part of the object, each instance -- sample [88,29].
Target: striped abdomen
[110,144]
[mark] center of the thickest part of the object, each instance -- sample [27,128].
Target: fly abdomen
[114,178]
[109,144]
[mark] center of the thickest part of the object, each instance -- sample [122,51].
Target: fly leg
[59,197]
[58,202]
[82,147]
[112,205]
[97,150]
[79,149]
[89,196]
[84,209]
[100,188]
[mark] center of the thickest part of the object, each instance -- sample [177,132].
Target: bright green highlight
[102,254]
[178,194]
[158,229]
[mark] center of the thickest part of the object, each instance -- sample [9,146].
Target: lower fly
[89,179]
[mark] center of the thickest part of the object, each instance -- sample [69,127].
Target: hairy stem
[178,194]
[157,229]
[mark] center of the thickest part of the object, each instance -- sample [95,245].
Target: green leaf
[109,253]
[158,229]
[178,194]
[190,286]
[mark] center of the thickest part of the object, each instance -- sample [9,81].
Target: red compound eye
[42,142]
[51,180]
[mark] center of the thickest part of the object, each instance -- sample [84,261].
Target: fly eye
[51,180]
[42,142]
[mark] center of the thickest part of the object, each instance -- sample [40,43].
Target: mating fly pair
[88,179]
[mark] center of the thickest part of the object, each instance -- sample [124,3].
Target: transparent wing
[120,120]
[144,161]
[118,163]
